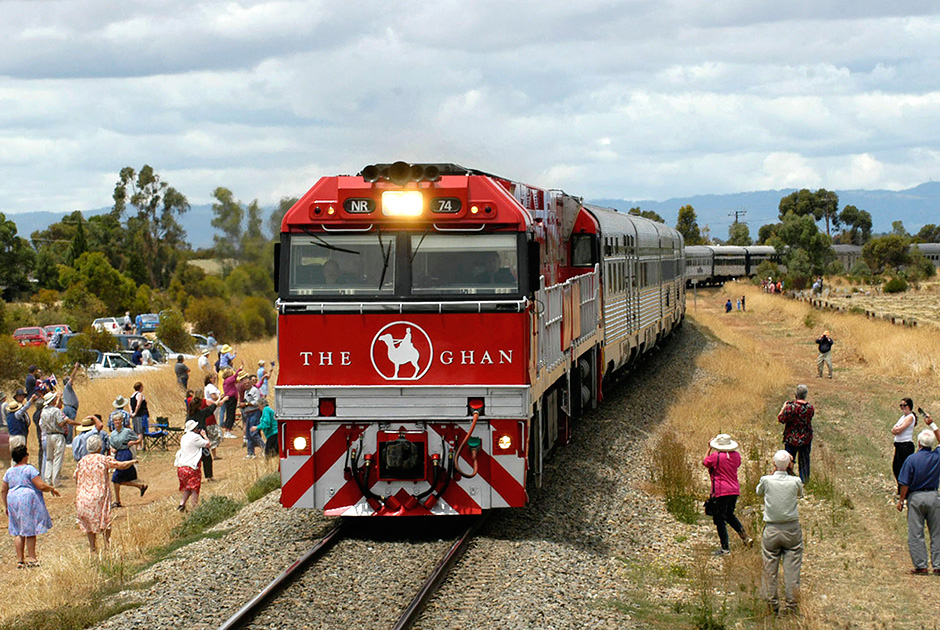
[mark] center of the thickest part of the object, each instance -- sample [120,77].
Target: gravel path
[559,563]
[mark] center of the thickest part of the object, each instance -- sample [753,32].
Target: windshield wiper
[386,253]
[418,246]
[319,241]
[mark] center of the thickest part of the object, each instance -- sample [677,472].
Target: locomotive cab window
[582,250]
[342,264]
[472,264]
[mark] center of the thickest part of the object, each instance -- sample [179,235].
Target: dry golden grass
[921,303]
[69,572]
[854,537]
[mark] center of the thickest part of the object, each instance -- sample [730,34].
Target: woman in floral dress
[93,492]
[24,504]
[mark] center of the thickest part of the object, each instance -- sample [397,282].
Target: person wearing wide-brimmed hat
[187,461]
[121,439]
[17,418]
[53,423]
[226,357]
[723,461]
[203,362]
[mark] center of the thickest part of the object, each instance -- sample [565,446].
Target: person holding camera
[783,537]
[797,418]
[903,432]
[825,354]
[723,472]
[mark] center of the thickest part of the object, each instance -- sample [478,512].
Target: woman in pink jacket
[722,463]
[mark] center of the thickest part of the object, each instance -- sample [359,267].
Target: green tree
[930,233]
[800,234]
[890,252]
[16,259]
[94,273]
[857,226]
[277,215]
[822,204]
[739,234]
[151,209]
[897,229]
[229,213]
[646,214]
[767,232]
[79,243]
[687,225]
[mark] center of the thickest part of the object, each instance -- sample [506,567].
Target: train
[716,264]
[441,329]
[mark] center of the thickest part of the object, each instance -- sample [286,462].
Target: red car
[31,336]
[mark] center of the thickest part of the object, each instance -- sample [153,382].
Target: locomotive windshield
[445,264]
[419,265]
[342,264]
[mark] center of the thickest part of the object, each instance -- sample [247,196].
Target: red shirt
[797,416]
[723,470]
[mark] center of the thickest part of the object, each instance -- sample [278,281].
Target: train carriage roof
[928,248]
[648,232]
[761,249]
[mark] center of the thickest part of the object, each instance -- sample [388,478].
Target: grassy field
[69,573]
[855,570]
[920,303]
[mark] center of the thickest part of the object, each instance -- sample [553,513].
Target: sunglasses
[903,405]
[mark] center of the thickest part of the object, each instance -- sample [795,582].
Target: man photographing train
[825,354]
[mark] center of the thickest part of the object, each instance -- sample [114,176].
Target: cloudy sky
[632,99]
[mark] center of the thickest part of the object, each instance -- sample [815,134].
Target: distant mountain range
[914,206]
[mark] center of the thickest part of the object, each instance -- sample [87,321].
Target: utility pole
[735,213]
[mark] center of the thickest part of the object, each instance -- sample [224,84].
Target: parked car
[109,324]
[148,323]
[170,354]
[201,342]
[64,341]
[31,336]
[126,345]
[108,364]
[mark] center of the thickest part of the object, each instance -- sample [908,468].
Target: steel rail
[247,612]
[430,586]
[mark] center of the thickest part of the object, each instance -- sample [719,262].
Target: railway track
[247,613]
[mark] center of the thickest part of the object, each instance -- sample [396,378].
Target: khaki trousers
[824,358]
[782,541]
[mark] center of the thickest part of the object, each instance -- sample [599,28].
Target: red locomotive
[440,329]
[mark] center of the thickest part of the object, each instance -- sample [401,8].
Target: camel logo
[399,350]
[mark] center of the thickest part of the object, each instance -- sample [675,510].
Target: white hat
[190,425]
[48,398]
[723,442]
[119,402]
[205,353]
[260,361]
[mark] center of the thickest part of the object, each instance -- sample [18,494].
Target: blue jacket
[16,426]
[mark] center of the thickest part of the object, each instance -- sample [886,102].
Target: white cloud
[602,98]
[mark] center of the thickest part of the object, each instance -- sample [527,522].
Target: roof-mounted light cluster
[401,173]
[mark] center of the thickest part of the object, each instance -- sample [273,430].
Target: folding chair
[155,439]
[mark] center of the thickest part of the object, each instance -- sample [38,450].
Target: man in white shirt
[203,363]
[783,537]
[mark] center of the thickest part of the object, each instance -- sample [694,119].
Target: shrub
[79,350]
[263,309]
[46,297]
[212,313]
[172,331]
[861,269]
[15,359]
[100,340]
[895,285]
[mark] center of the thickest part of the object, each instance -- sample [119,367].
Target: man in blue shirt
[919,479]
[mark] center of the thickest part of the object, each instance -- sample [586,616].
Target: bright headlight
[504,442]
[402,203]
[300,443]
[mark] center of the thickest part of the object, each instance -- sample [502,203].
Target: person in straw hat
[122,438]
[187,461]
[53,423]
[226,357]
[203,362]
[722,462]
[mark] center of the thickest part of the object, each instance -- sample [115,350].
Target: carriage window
[342,264]
[464,264]
[581,250]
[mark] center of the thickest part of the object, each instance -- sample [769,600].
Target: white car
[170,355]
[109,324]
[108,364]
